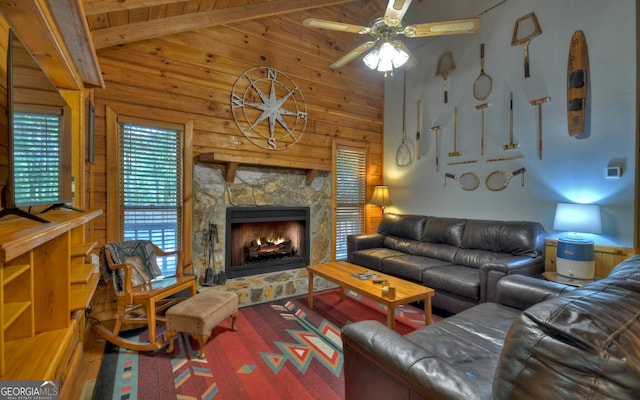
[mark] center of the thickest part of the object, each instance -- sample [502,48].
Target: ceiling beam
[93,7]
[73,27]
[36,29]
[123,34]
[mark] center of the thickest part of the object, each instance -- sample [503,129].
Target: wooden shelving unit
[44,282]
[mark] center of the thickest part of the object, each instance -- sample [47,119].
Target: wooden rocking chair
[132,265]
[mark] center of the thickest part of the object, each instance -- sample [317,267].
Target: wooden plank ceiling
[116,22]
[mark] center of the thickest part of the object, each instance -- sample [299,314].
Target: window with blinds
[36,157]
[151,187]
[351,164]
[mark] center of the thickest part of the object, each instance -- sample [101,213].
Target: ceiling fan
[392,53]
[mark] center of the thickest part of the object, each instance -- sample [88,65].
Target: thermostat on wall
[613,172]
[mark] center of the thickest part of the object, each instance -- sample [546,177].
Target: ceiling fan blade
[451,27]
[336,26]
[396,9]
[347,58]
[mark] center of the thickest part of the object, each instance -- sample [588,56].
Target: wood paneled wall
[189,77]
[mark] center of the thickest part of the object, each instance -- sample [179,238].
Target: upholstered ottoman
[199,314]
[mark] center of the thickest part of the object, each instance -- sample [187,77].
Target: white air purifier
[575,258]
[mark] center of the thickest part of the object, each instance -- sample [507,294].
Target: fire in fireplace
[266,239]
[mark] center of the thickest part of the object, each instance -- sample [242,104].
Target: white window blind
[151,187]
[36,156]
[351,164]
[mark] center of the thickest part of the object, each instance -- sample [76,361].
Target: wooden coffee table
[340,273]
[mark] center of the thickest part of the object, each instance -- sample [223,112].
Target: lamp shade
[579,218]
[380,196]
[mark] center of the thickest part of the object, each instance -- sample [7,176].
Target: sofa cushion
[475,258]
[410,267]
[583,343]
[372,258]
[404,245]
[404,226]
[458,279]
[514,237]
[444,230]
[436,250]
[462,361]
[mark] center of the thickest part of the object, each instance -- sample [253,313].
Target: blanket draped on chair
[138,253]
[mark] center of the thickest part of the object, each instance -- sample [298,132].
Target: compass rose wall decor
[268,108]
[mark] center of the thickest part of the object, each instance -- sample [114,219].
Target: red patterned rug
[281,350]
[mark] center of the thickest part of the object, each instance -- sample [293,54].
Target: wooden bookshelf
[45,285]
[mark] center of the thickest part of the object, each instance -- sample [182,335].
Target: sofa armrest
[378,362]
[492,272]
[363,241]
[521,291]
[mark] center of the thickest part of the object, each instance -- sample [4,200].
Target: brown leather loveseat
[461,259]
[540,340]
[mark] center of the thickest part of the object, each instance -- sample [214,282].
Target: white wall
[572,168]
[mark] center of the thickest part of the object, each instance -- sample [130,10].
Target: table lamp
[381,197]
[575,258]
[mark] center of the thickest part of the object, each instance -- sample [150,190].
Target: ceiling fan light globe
[387,52]
[385,65]
[371,59]
[400,58]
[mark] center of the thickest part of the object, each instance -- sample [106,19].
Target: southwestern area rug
[281,350]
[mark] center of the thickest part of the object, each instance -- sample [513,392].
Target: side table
[555,277]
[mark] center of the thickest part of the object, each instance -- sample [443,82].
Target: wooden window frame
[114,228]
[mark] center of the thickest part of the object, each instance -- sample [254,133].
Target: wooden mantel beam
[123,34]
[232,162]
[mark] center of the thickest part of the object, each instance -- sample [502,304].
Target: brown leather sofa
[540,340]
[462,259]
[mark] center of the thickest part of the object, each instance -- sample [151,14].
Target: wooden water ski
[577,84]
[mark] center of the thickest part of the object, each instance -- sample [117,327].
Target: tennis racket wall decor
[445,66]
[467,181]
[498,180]
[483,84]
[524,30]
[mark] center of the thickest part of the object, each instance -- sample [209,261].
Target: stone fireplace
[266,239]
[260,188]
